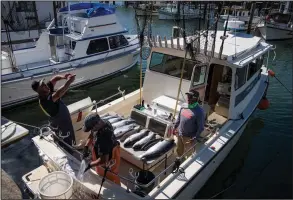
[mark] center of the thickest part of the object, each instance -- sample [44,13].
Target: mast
[216,27]
[55,14]
[207,27]
[251,17]
[36,16]
[224,36]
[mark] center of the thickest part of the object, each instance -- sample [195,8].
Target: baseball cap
[36,84]
[90,121]
[193,94]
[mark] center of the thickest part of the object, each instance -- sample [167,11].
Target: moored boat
[231,82]
[86,39]
[11,132]
[277,26]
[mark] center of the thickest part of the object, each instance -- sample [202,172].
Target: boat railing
[50,25]
[95,104]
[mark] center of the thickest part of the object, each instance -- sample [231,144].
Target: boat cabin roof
[238,50]
[91,9]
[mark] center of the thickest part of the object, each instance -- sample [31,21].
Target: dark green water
[259,166]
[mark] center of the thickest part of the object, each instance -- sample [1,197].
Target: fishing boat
[240,14]
[11,132]
[277,26]
[170,11]
[147,9]
[85,39]
[231,77]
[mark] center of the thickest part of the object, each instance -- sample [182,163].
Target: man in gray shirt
[189,124]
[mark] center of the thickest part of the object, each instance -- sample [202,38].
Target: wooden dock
[9,189]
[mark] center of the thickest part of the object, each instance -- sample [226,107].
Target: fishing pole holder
[108,167]
[177,168]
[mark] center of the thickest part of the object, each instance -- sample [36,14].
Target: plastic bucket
[144,177]
[56,185]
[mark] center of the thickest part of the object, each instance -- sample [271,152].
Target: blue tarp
[94,9]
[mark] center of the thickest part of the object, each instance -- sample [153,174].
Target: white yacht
[277,26]
[171,12]
[240,14]
[87,40]
[231,82]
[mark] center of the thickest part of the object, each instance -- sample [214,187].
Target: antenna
[69,26]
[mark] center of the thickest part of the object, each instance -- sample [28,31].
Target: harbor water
[259,166]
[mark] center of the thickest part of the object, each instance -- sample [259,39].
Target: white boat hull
[20,35]
[269,32]
[19,91]
[197,183]
[143,12]
[169,15]
[11,132]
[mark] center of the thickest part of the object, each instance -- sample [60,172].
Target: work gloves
[85,152]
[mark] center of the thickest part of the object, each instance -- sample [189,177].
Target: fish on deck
[157,150]
[123,123]
[135,137]
[151,143]
[139,144]
[124,129]
[113,120]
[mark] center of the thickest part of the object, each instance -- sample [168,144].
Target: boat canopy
[93,9]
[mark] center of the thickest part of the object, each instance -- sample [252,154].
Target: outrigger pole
[188,47]
[140,32]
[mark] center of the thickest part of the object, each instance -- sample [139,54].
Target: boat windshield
[172,65]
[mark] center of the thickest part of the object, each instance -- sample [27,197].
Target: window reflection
[172,66]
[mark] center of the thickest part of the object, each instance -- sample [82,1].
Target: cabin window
[73,44]
[252,69]
[199,75]
[172,65]
[117,41]
[240,77]
[259,62]
[97,46]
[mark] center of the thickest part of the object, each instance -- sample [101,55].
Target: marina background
[259,166]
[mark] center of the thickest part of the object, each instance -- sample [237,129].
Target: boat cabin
[226,85]
[85,26]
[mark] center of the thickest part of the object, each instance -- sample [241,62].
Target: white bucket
[56,185]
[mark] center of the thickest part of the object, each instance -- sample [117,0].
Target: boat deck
[69,163]
[35,65]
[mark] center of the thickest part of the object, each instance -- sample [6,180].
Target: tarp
[100,8]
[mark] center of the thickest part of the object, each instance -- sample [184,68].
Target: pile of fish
[133,136]
[120,125]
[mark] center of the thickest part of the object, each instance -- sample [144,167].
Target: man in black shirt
[52,105]
[104,146]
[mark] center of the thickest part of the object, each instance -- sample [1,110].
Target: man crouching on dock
[52,105]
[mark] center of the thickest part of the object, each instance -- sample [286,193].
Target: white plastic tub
[56,185]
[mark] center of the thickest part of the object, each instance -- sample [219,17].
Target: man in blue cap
[104,146]
[189,124]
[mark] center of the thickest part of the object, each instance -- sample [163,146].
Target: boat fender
[79,116]
[263,104]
